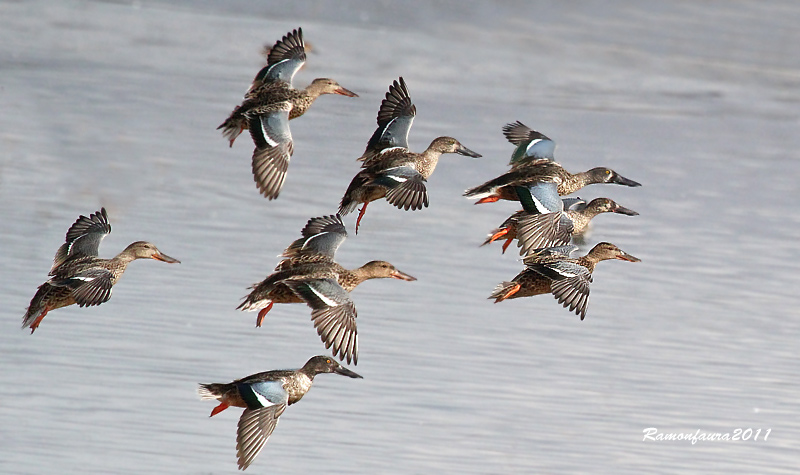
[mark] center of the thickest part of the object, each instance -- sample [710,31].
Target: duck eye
[327,361]
[608,172]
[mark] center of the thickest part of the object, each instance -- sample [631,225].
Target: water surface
[115,104]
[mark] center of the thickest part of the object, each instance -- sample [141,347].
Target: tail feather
[57,297]
[211,390]
[233,126]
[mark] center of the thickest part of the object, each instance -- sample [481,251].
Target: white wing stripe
[325,299]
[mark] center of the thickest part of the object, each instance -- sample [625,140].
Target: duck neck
[588,261]
[426,162]
[123,259]
[574,182]
[360,275]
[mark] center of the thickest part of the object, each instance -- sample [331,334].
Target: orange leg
[511,291]
[38,320]
[261,314]
[498,234]
[361,215]
[488,199]
[222,406]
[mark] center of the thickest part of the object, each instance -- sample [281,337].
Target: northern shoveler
[78,276]
[264,397]
[532,161]
[528,226]
[551,270]
[390,169]
[309,274]
[268,106]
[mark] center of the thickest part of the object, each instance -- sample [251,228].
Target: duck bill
[165,258]
[345,92]
[346,372]
[624,256]
[623,210]
[621,180]
[402,276]
[462,150]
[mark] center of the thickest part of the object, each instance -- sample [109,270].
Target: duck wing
[269,127]
[83,238]
[333,313]
[531,145]
[406,187]
[570,284]
[285,58]
[395,117]
[89,286]
[321,236]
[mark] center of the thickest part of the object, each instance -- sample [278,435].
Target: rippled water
[115,104]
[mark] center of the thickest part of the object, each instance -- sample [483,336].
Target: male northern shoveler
[268,106]
[390,169]
[264,397]
[551,270]
[309,274]
[78,276]
[532,161]
[527,226]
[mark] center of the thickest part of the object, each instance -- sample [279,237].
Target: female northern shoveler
[528,226]
[390,169]
[551,270]
[532,161]
[264,397]
[309,274]
[78,275]
[268,106]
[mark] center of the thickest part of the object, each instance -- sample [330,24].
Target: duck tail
[37,307]
[211,390]
[348,204]
[233,126]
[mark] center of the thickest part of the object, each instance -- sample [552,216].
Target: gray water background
[115,104]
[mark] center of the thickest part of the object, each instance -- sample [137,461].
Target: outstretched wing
[536,231]
[255,427]
[406,187]
[570,284]
[530,144]
[284,60]
[91,286]
[540,197]
[269,127]
[395,117]
[321,236]
[83,237]
[333,314]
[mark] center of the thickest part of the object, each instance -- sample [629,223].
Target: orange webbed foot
[488,199]
[506,244]
[222,406]
[361,215]
[513,290]
[498,235]
[38,320]
[263,313]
